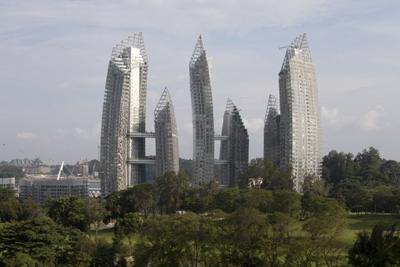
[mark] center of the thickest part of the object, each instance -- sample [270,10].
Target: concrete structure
[38,169]
[124,112]
[166,133]
[40,189]
[94,188]
[271,132]
[300,120]
[7,183]
[202,115]
[235,148]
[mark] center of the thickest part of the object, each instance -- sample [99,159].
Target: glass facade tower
[300,119]
[166,134]
[202,115]
[235,149]
[124,113]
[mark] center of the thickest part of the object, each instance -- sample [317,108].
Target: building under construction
[234,152]
[202,115]
[124,116]
[166,134]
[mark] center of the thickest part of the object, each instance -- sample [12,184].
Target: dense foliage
[7,171]
[171,223]
[365,183]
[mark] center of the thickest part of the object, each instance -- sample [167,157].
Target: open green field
[357,223]
[108,234]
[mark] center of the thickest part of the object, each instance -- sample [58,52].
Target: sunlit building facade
[300,120]
[124,113]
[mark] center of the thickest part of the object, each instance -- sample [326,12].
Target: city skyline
[53,74]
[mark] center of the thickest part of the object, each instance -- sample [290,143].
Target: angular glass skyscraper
[124,113]
[300,120]
[234,150]
[202,114]
[271,131]
[166,133]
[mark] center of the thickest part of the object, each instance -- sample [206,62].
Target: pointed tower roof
[197,52]
[164,102]
[272,107]
[230,106]
[131,41]
[299,43]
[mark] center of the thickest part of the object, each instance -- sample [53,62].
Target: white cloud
[254,125]
[91,134]
[370,119]
[329,115]
[27,135]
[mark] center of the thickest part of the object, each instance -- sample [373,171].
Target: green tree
[380,248]
[228,200]
[7,171]
[274,178]
[6,194]
[128,226]
[245,233]
[68,211]
[177,240]
[21,259]
[30,210]
[199,199]
[171,189]
[94,213]
[9,210]
[40,240]
[113,205]
[144,198]
[370,162]
[103,254]
[391,170]
[288,202]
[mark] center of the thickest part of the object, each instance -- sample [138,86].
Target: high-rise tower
[166,133]
[124,113]
[234,150]
[202,114]
[271,131]
[300,133]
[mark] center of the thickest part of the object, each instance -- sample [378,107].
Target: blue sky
[55,55]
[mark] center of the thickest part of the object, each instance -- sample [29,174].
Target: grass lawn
[108,234]
[357,223]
